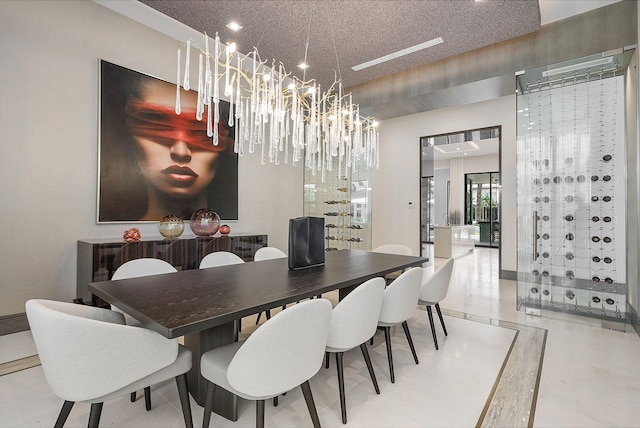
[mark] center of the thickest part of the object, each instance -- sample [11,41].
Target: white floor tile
[15,346]
[590,375]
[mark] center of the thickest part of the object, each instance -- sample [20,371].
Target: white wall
[479,164]
[49,54]
[397,181]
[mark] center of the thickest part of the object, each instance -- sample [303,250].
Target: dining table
[204,305]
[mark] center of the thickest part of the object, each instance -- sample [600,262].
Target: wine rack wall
[571,197]
[345,204]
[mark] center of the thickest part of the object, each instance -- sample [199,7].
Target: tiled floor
[590,376]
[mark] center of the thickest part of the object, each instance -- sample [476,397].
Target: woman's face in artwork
[177,158]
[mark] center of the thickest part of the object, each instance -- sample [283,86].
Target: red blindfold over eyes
[161,124]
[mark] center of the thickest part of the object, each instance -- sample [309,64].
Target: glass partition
[345,204]
[571,188]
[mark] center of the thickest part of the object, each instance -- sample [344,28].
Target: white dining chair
[398,305]
[268,253]
[127,358]
[353,322]
[142,267]
[399,249]
[134,269]
[220,258]
[434,289]
[283,353]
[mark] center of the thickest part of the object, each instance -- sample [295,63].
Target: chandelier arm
[317,125]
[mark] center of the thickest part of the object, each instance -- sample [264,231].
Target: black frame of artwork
[123,189]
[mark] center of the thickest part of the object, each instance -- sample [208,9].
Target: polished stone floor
[497,368]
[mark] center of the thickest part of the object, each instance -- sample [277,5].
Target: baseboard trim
[509,274]
[632,317]
[15,323]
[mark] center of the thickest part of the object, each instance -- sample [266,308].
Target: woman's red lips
[180,175]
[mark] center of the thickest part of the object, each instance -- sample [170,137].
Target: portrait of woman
[154,162]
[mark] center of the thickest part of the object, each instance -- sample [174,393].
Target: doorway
[453,172]
[482,207]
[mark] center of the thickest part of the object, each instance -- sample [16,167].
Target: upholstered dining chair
[268,253]
[128,359]
[399,249]
[283,353]
[434,289]
[220,258]
[133,269]
[353,323]
[142,267]
[398,305]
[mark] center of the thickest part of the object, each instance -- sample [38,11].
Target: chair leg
[94,415]
[387,339]
[405,327]
[365,354]
[275,399]
[267,313]
[208,405]
[441,319]
[260,414]
[183,392]
[433,327]
[326,360]
[147,398]
[343,400]
[311,405]
[64,414]
[133,396]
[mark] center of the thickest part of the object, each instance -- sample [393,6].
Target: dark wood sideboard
[99,258]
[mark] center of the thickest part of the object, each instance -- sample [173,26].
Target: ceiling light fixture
[455,147]
[582,65]
[234,26]
[280,116]
[398,54]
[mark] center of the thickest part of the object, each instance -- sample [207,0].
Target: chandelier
[285,118]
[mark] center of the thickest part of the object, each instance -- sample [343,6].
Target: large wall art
[154,162]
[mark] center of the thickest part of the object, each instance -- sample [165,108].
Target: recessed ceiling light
[398,54]
[234,26]
[303,66]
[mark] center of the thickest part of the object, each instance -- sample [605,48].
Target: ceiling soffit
[488,73]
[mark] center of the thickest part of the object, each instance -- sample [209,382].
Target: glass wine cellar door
[571,187]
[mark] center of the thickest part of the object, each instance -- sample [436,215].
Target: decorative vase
[171,226]
[132,235]
[225,229]
[205,222]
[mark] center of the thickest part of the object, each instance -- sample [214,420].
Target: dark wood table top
[191,301]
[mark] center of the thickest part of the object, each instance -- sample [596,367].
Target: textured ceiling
[344,33]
